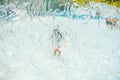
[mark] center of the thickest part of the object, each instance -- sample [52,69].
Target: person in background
[98,14]
[112,22]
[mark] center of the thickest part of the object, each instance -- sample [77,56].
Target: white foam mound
[92,52]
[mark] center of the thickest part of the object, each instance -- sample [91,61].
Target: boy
[57,38]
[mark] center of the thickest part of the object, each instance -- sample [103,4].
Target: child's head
[56,30]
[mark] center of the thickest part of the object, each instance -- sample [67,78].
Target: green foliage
[81,2]
[113,3]
[109,2]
